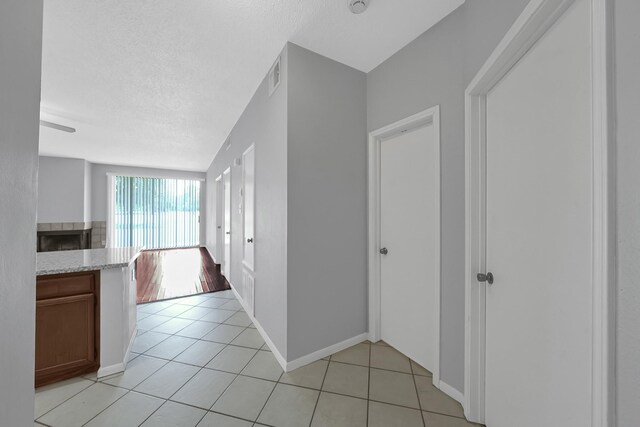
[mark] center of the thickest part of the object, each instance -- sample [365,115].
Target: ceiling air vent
[274,77]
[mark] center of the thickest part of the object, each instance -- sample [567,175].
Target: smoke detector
[358,6]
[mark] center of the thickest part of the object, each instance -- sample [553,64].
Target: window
[154,212]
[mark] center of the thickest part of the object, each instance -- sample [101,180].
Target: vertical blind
[156,212]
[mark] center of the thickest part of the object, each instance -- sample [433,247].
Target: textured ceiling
[160,83]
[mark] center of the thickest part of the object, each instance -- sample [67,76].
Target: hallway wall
[627,43]
[20,56]
[435,69]
[263,122]
[327,203]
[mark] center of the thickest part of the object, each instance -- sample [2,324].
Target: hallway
[199,361]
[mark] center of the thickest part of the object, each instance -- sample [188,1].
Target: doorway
[226,223]
[248,232]
[537,254]
[404,237]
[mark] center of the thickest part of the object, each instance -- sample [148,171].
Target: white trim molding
[453,393]
[430,116]
[324,352]
[304,360]
[279,357]
[533,23]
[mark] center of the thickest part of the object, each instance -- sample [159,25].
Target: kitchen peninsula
[85,312]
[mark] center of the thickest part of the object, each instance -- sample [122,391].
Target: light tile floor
[199,361]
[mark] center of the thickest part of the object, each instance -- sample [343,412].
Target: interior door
[219,220]
[409,236]
[248,187]
[538,241]
[248,252]
[226,262]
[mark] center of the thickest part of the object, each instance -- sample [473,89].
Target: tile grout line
[112,403]
[369,384]
[71,397]
[324,377]
[415,385]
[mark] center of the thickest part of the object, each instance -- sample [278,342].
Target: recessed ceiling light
[358,6]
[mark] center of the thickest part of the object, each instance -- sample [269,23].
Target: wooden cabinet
[67,326]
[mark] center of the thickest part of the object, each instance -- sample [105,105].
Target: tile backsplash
[98,230]
[98,234]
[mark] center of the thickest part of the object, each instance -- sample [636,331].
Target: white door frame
[532,24]
[427,117]
[244,195]
[219,219]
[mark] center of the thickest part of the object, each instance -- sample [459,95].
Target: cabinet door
[66,335]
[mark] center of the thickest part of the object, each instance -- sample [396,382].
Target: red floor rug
[172,273]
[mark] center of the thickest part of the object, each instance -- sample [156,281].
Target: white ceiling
[160,83]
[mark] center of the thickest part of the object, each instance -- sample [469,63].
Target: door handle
[227,232]
[384,251]
[250,240]
[485,278]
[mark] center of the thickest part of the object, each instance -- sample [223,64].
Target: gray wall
[20,54]
[627,39]
[88,191]
[327,230]
[434,70]
[264,122]
[99,188]
[62,190]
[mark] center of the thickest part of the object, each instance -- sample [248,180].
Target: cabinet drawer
[61,285]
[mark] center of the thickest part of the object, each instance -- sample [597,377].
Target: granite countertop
[85,260]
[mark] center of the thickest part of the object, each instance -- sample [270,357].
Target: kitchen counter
[85,260]
[85,312]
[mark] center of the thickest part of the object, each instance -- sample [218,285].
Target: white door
[226,261]
[538,247]
[409,234]
[248,190]
[219,220]
[248,193]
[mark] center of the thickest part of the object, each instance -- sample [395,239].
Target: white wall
[627,39]
[263,122]
[99,187]
[20,56]
[435,69]
[62,190]
[327,203]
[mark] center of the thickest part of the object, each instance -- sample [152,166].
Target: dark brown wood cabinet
[67,326]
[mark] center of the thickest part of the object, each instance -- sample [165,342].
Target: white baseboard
[210,253]
[279,357]
[304,360]
[327,351]
[118,367]
[110,370]
[451,392]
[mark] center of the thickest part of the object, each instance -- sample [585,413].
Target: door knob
[384,251]
[485,278]
[250,240]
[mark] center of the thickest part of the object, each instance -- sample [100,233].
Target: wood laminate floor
[171,273]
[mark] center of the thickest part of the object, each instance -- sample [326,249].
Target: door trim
[533,23]
[427,117]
